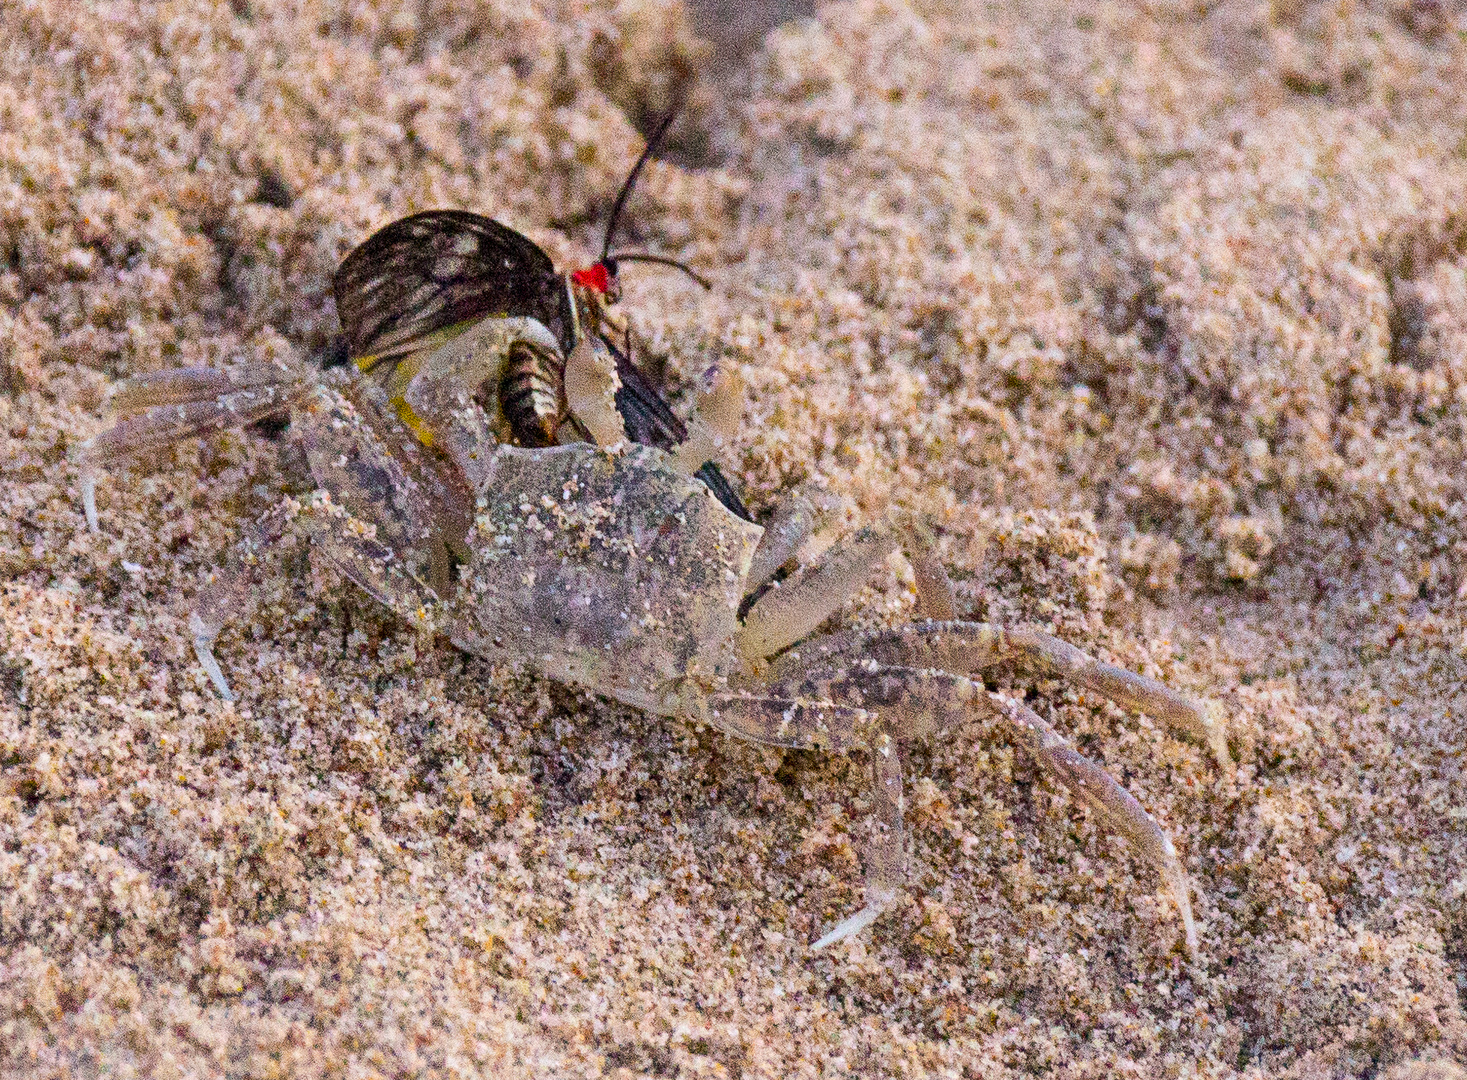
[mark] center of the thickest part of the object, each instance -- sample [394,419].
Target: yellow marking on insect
[409,357]
[418,346]
[414,422]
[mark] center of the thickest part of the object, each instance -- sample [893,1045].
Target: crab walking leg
[346,541]
[162,425]
[801,721]
[886,856]
[912,702]
[714,421]
[591,383]
[176,386]
[173,386]
[785,614]
[935,597]
[785,534]
[231,591]
[1100,791]
[970,647]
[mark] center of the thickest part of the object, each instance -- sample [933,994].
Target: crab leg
[785,716]
[164,424]
[345,540]
[792,610]
[591,383]
[377,512]
[970,647]
[230,593]
[886,855]
[909,702]
[714,421]
[175,386]
[785,534]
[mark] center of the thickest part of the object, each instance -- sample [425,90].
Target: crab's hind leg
[784,535]
[970,647]
[231,592]
[904,702]
[162,408]
[786,715]
[369,518]
[372,517]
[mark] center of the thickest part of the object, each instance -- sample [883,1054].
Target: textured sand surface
[1158,311]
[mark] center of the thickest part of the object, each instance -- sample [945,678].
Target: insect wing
[650,420]
[438,269]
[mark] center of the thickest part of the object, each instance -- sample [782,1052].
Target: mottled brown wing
[439,268]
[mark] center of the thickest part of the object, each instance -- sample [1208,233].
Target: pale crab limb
[935,596]
[969,647]
[785,534]
[346,541]
[87,482]
[230,593]
[886,855]
[792,610]
[203,637]
[373,566]
[175,386]
[162,425]
[912,702]
[1116,806]
[591,383]
[362,454]
[786,716]
[438,396]
[714,421]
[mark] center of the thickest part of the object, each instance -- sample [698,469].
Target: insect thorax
[611,571]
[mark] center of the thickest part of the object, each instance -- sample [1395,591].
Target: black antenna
[660,260]
[626,187]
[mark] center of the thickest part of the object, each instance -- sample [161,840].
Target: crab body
[612,571]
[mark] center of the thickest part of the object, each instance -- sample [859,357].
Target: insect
[611,563]
[425,279]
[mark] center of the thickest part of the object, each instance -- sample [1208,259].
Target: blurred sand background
[1159,311]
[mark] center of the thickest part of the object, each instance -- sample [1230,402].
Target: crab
[611,566]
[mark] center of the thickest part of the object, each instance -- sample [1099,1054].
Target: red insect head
[595,277]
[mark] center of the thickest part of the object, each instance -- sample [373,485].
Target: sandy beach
[1156,312]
